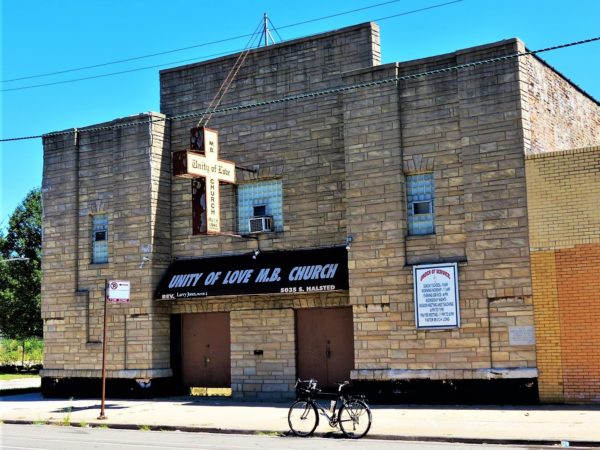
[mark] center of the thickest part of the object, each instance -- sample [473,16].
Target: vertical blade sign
[202,161]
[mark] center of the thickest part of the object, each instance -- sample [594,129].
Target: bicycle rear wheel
[355,419]
[303,418]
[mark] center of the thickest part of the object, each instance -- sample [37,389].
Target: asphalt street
[48,437]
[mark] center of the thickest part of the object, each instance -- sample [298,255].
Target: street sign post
[115,291]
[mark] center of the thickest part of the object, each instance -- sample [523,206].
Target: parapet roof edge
[514,40]
[132,118]
[567,79]
[462,51]
[432,58]
[295,41]
[570,151]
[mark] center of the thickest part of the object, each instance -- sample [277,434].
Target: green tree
[20,271]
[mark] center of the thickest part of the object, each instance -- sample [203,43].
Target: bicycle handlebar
[312,384]
[341,384]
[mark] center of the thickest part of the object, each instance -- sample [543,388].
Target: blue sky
[41,37]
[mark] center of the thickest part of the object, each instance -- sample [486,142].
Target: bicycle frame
[338,400]
[333,409]
[344,411]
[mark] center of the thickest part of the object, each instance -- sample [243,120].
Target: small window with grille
[420,190]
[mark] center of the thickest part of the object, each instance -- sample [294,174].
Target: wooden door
[325,341]
[206,356]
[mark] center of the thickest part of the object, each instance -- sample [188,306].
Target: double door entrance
[324,347]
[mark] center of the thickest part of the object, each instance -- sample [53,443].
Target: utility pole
[266,31]
[102,416]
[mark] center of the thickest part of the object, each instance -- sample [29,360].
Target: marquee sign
[436,296]
[202,162]
[278,272]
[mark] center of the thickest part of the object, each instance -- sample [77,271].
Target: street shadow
[225,402]
[68,409]
[24,397]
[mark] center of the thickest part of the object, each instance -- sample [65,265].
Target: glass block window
[99,238]
[258,199]
[420,190]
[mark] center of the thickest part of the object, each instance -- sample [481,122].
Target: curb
[17,391]
[332,435]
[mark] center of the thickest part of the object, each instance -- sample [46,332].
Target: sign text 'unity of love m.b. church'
[202,164]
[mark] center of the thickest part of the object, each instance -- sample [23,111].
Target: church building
[328,217]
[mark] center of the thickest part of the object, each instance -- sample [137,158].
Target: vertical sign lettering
[203,162]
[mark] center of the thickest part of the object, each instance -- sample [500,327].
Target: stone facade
[120,169]
[464,126]
[343,156]
[563,188]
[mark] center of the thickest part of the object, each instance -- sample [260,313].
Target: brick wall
[556,114]
[547,322]
[563,189]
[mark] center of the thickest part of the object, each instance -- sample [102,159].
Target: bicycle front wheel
[355,419]
[303,418]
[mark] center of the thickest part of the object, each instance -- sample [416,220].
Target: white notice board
[437,305]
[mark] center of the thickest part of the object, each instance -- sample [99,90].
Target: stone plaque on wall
[521,335]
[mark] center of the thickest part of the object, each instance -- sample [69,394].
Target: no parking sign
[118,291]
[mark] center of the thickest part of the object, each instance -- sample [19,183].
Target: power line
[315,94]
[190,47]
[92,77]
[121,72]
[134,58]
[218,97]
[368,7]
[427,8]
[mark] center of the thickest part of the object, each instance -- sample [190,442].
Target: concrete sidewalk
[579,425]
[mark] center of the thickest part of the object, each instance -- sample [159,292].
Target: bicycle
[353,415]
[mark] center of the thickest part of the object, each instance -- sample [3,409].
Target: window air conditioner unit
[260,224]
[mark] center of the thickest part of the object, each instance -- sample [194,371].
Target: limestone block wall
[263,323]
[563,188]
[299,142]
[272,374]
[465,127]
[117,171]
